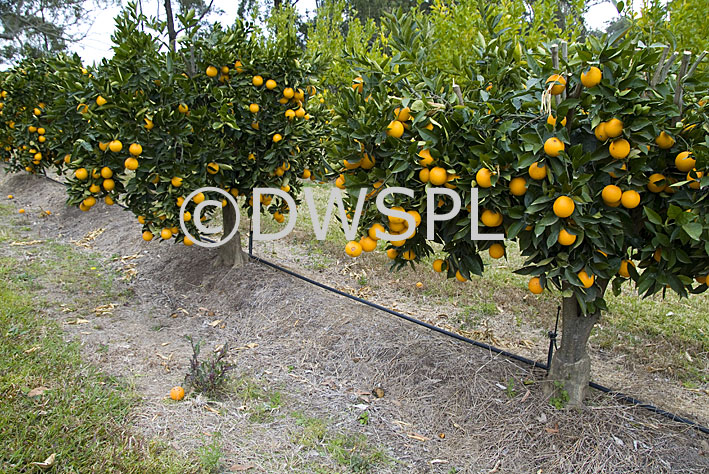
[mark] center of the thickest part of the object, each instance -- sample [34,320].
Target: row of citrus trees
[225,109]
[586,165]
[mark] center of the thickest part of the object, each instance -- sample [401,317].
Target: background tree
[30,28]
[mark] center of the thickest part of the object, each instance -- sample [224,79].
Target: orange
[340,181]
[367,243]
[491,218]
[496,251]
[166,234]
[395,129]
[115,146]
[131,164]
[551,120]
[148,124]
[257,81]
[702,280]
[591,78]
[353,249]
[664,141]
[108,185]
[372,232]
[652,183]
[100,101]
[459,276]
[187,241]
[135,149]
[271,84]
[586,279]
[623,271]
[288,92]
[600,132]
[408,255]
[183,108]
[212,168]
[176,181]
[535,285]
[619,148]
[106,172]
[482,177]
[684,161]
[424,175]
[553,146]
[178,393]
[81,174]
[566,238]
[564,206]
[694,182]
[254,108]
[367,162]
[392,253]
[537,172]
[630,199]
[518,186]
[438,176]
[148,236]
[358,84]
[439,265]
[559,84]
[426,158]
[306,174]
[613,128]
[211,71]
[198,198]
[416,216]
[277,138]
[90,201]
[21,211]
[108,200]
[611,194]
[657,255]
[300,112]
[402,115]
[290,114]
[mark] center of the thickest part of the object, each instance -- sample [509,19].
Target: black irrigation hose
[496,350]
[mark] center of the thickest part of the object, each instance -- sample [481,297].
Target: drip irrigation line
[496,350]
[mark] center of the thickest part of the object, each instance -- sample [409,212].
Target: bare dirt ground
[301,398]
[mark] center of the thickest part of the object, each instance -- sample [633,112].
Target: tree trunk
[170,25]
[231,254]
[570,369]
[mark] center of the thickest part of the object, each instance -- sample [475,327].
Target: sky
[97,43]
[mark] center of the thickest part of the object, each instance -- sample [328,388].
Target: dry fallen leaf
[417,437]
[36,392]
[208,408]
[78,321]
[215,323]
[241,467]
[32,349]
[378,392]
[47,463]
[554,430]
[438,461]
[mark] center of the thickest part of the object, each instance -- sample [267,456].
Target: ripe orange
[695,182]
[438,176]
[392,253]
[176,181]
[211,71]
[81,174]
[271,84]
[340,181]
[439,265]
[106,172]
[131,164]
[684,161]
[619,148]
[21,211]
[115,146]
[183,108]
[482,177]
[177,393]
[652,183]
[372,232]
[564,206]
[537,172]
[559,84]
[613,128]
[288,92]
[611,194]
[402,115]
[459,276]
[551,120]
[300,112]
[408,255]
[367,243]
[623,271]
[630,199]
[353,249]
[600,132]
[135,149]
[277,138]
[148,124]
[108,200]
[586,279]
[424,175]
[553,146]
[109,184]
[358,84]
[254,108]
[491,218]
[496,251]
[535,285]
[664,141]
[518,186]
[212,168]
[426,158]
[257,81]
[89,201]
[166,234]
[395,129]
[368,162]
[566,238]
[592,77]
[199,198]
[100,101]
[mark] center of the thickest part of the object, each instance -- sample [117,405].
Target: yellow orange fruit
[684,161]
[459,276]
[271,84]
[115,146]
[586,279]
[535,285]
[81,174]
[438,176]
[353,249]
[372,232]
[426,158]
[131,164]
[483,178]
[613,128]
[496,251]
[630,199]
[257,81]
[600,132]
[611,193]
[553,146]
[623,271]
[537,172]
[592,77]
[559,84]
[439,265]
[491,218]
[566,238]
[664,141]
[135,149]
[395,129]
[619,148]
[653,180]
[178,393]
[148,236]
[564,206]
[211,71]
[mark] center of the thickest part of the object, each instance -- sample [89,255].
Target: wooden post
[658,70]
[565,57]
[555,63]
[684,64]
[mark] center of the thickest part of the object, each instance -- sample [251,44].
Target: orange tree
[225,109]
[602,186]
